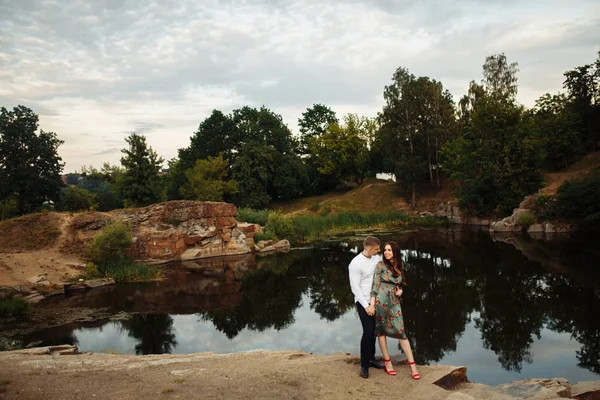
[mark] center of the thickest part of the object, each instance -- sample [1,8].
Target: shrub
[526,220]
[280,226]
[110,246]
[8,208]
[545,207]
[247,214]
[580,198]
[264,236]
[13,307]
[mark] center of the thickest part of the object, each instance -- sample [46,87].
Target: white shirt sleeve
[355,278]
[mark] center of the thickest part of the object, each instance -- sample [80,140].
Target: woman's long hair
[397,266]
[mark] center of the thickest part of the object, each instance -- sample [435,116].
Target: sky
[97,70]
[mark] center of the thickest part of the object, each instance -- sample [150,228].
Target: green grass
[125,271]
[308,227]
[246,214]
[13,307]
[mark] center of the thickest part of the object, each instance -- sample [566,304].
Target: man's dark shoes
[375,364]
[364,372]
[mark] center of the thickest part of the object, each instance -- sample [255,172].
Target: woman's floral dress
[388,313]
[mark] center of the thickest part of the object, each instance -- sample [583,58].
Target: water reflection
[468,298]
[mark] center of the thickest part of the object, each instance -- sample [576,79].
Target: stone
[73,287]
[34,298]
[38,279]
[95,283]
[535,228]
[57,292]
[426,214]
[282,245]
[264,243]
[587,390]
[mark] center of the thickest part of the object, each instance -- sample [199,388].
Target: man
[360,271]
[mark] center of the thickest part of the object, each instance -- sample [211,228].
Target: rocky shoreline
[63,372]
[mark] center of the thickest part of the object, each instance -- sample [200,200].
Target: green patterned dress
[388,313]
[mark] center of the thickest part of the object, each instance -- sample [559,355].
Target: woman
[385,302]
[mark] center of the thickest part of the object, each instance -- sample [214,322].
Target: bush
[8,208]
[545,208]
[73,198]
[110,246]
[580,198]
[108,253]
[526,220]
[264,236]
[13,307]
[247,214]
[280,226]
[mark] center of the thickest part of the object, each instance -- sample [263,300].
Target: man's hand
[398,291]
[370,309]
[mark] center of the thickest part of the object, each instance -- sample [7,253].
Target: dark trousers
[367,342]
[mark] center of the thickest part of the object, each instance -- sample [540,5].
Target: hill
[384,195]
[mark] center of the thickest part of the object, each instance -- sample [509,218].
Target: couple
[375,283]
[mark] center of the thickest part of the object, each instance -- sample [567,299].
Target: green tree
[262,127]
[417,119]
[254,170]
[555,126]
[314,122]
[208,181]
[30,167]
[341,152]
[140,184]
[76,199]
[496,159]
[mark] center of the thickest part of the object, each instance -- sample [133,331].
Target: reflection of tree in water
[154,333]
[574,309]
[270,295]
[436,302]
[330,294]
[513,305]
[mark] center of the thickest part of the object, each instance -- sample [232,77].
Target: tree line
[488,146]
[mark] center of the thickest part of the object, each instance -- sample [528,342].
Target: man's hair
[371,241]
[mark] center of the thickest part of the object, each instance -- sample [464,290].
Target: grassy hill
[374,195]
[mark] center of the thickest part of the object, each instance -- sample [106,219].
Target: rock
[73,287]
[34,298]
[38,279]
[588,390]
[282,245]
[453,378]
[536,228]
[57,292]
[263,243]
[95,283]
[501,226]
[426,214]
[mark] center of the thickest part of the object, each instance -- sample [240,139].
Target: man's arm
[355,277]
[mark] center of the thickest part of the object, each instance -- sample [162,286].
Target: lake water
[505,311]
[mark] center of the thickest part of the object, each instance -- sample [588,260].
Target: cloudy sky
[97,70]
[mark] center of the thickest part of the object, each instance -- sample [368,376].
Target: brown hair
[371,241]
[397,267]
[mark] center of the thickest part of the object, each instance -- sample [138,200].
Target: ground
[245,375]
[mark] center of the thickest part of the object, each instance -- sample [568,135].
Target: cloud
[160,67]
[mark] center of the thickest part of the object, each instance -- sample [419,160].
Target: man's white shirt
[361,270]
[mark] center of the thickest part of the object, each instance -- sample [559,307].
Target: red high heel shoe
[416,376]
[389,371]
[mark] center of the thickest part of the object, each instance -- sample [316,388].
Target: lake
[506,309]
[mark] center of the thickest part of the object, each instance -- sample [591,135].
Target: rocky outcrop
[175,230]
[519,221]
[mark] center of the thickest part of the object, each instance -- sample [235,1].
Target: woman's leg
[405,344]
[384,351]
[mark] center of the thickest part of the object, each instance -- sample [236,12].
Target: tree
[30,167]
[140,184]
[496,159]
[417,119]
[254,170]
[555,126]
[314,122]
[341,152]
[76,199]
[208,181]
[262,127]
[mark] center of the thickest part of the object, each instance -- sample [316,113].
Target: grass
[13,307]
[246,214]
[30,232]
[126,271]
[308,227]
